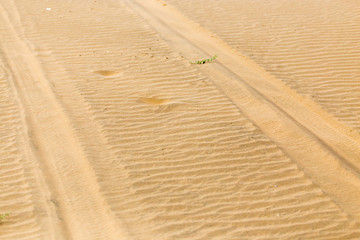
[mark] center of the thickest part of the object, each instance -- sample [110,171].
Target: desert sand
[108,131]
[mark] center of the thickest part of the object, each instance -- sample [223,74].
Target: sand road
[107,131]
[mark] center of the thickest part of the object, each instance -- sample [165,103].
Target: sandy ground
[107,131]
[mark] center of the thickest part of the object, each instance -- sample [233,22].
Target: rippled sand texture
[108,132]
[15,183]
[313,46]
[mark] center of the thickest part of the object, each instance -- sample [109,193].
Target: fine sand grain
[107,130]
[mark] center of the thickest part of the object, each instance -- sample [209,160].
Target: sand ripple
[137,143]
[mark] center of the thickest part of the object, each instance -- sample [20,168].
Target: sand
[107,130]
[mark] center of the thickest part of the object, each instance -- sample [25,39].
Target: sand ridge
[132,141]
[333,143]
[315,54]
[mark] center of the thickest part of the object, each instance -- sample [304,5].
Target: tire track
[303,129]
[313,47]
[17,187]
[70,179]
[170,153]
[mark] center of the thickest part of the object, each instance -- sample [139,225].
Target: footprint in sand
[106,73]
[153,100]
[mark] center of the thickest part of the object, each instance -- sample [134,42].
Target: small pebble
[48,9]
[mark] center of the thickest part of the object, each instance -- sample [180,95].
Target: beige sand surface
[108,132]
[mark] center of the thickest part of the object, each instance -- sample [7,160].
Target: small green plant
[3,217]
[205,60]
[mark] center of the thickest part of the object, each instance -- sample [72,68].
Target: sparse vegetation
[205,60]
[3,217]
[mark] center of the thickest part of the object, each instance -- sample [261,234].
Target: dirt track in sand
[108,132]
